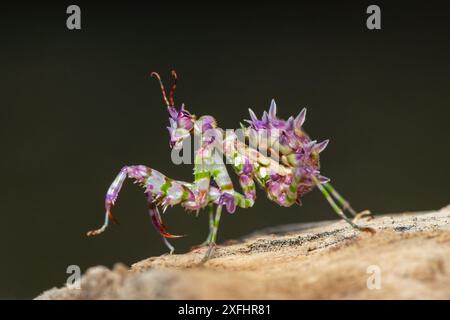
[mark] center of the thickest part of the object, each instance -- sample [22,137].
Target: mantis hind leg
[337,209]
[345,205]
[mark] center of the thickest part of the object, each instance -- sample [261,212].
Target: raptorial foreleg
[157,222]
[111,197]
[164,191]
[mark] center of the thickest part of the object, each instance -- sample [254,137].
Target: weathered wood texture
[320,261]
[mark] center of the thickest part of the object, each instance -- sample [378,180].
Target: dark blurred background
[78,105]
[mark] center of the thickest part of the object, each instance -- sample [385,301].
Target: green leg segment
[336,208]
[343,203]
[211,226]
[212,240]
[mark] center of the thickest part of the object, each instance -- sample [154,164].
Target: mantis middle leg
[213,238]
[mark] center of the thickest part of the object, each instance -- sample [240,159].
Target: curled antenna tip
[155,74]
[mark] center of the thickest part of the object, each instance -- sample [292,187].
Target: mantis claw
[365,214]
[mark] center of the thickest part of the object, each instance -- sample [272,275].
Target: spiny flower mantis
[286,172]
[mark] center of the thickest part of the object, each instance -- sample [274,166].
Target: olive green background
[78,105]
